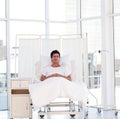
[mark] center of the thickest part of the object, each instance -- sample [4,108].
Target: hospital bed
[65,106]
[43,45]
[64,43]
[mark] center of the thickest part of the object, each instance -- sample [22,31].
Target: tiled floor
[92,114]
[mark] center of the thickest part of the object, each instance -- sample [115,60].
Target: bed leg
[72,106]
[116,113]
[99,110]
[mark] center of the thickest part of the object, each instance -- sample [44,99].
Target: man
[55,69]
[56,82]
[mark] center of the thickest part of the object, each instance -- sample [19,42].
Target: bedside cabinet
[19,99]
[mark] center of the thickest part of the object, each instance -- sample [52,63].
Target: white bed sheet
[46,91]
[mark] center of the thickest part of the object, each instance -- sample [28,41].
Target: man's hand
[55,75]
[59,75]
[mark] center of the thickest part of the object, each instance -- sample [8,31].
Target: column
[108,86]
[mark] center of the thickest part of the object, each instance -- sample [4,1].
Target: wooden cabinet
[19,99]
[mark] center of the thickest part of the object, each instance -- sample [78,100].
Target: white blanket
[46,91]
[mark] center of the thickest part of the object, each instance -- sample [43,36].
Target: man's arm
[43,77]
[66,77]
[69,78]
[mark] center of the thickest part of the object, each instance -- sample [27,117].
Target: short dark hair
[54,52]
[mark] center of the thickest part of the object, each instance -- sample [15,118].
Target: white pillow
[45,61]
[65,60]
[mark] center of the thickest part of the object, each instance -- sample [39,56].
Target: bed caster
[86,114]
[48,109]
[31,104]
[72,115]
[116,113]
[79,109]
[41,116]
[99,110]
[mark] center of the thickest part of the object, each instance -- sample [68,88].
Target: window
[117,58]
[17,28]
[57,10]
[62,28]
[90,8]
[93,28]
[3,81]
[62,10]
[116,6]
[27,9]
[2,8]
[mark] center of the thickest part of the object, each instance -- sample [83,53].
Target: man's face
[55,58]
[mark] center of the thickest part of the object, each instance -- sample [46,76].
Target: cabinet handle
[26,106]
[19,84]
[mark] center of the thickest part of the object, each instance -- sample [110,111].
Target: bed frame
[74,44]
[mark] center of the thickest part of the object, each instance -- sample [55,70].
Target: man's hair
[54,52]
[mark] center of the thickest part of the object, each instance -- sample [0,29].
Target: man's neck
[55,65]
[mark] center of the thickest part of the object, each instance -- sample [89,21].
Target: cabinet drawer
[24,84]
[19,84]
[15,84]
